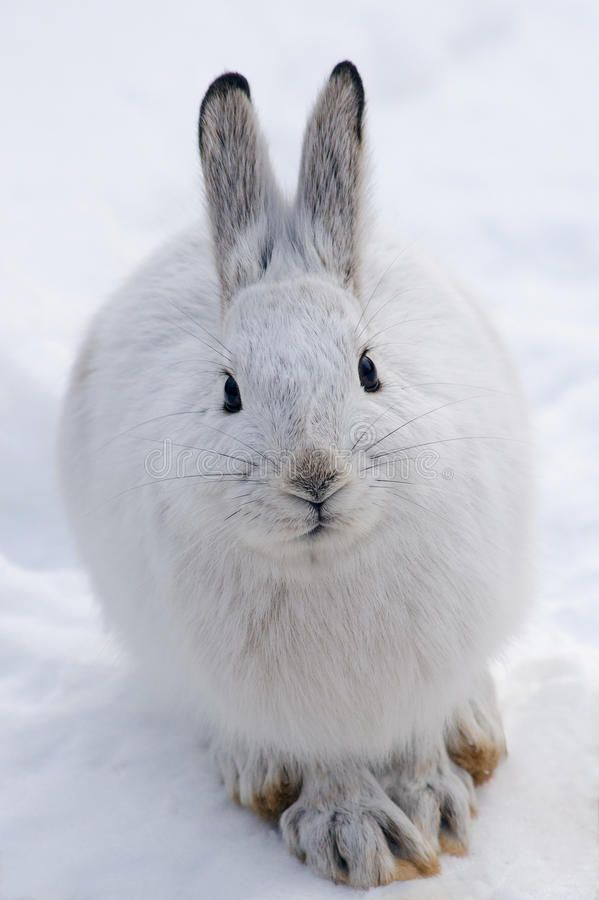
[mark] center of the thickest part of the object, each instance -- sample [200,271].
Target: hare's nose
[314,475]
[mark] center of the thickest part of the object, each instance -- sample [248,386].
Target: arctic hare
[335,541]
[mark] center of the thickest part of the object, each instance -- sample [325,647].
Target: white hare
[338,539]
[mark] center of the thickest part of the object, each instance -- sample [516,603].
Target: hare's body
[270,565]
[342,648]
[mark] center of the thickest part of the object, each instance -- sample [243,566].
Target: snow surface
[485,146]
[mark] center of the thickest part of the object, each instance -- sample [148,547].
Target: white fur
[358,643]
[339,646]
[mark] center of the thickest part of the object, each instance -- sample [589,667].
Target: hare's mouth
[320,514]
[316,529]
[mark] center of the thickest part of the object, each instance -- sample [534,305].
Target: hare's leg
[346,828]
[474,735]
[437,796]
[434,782]
[262,781]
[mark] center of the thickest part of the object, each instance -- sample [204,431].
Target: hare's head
[299,385]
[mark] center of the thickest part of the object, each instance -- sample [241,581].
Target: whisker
[249,446]
[198,338]
[199,359]
[394,296]
[390,461]
[199,325]
[241,496]
[238,477]
[433,512]
[469,437]
[379,344]
[401,481]
[187,412]
[379,282]
[422,416]
[247,462]
[237,511]
[222,476]
[407,322]
[476,387]
[409,387]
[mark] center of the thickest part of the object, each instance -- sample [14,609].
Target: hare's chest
[321,641]
[323,669]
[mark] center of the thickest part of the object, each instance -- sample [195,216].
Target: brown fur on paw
[479,759]
[475,739]
[275,797]
[450,844]
[405,870]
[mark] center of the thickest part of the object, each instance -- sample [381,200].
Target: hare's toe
[475,739]
[478,757]
[275,794]
[267,785]
[440,803]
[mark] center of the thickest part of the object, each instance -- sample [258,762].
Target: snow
[484,141]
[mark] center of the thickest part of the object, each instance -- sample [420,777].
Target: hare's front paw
[264,783]
[475,739]
[345,827]
[438,797]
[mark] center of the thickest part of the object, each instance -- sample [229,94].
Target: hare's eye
[232,395]
[369,378]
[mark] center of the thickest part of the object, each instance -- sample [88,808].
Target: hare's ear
[330,187]
[243,200]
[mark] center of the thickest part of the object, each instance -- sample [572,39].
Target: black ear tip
[346,69]
[220,87]
[230,81]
